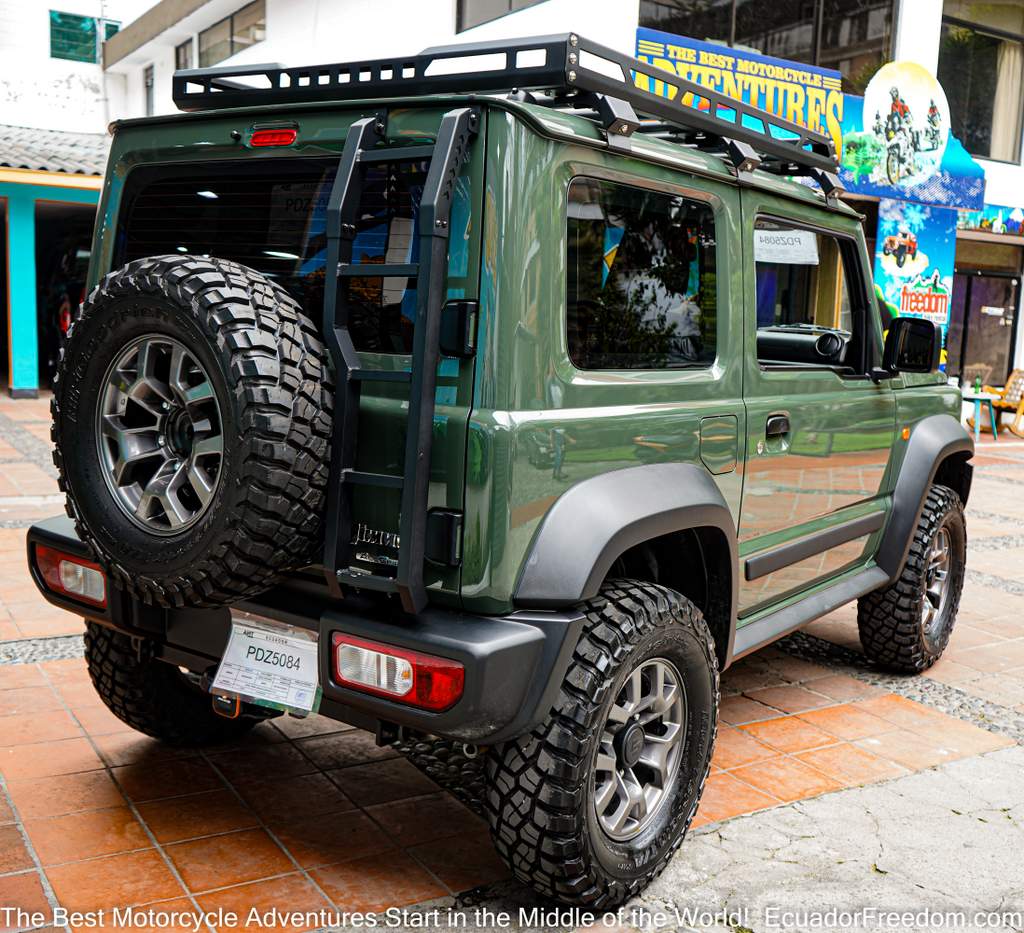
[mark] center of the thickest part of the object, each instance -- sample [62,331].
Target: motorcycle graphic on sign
[904,143]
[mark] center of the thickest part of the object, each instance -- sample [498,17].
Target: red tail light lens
[72,576]
[280,137]
[410,677]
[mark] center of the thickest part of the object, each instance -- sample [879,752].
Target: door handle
[777,426]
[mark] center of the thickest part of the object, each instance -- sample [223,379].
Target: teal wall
[21,265]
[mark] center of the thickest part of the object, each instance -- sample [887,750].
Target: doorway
[63,244]
[982,326]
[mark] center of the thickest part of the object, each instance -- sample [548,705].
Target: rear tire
[152,696]
[553,819]
[905,626]
[192,423]
[447,765]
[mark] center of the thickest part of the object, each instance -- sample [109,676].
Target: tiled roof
[53,150]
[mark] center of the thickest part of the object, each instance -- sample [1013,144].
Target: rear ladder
[455,134]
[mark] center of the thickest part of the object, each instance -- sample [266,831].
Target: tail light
[278,137]
[72,576]
[409,677]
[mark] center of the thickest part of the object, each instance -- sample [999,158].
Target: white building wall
[306,32]
[51,93]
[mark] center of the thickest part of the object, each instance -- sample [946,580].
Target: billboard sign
[896,142]
[803,94]
[914,254]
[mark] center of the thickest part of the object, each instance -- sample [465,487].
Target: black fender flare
[598,519]
[932,440]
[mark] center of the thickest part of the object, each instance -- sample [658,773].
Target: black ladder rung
[381,375]
[395,153]
[368,581]
[374,270]
[364,478]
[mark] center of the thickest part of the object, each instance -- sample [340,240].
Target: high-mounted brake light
[409,677]
[279,137]
[73,576]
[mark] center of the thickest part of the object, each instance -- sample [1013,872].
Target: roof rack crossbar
[566,66]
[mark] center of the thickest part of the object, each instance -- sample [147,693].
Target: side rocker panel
[597,520]
[933,440]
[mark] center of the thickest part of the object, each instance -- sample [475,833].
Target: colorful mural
[914,254]
[896,143]
[994,218]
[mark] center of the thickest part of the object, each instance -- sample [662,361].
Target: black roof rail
[569,69]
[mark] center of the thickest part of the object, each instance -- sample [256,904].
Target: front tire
[590,806]
[152,696]
[906,626]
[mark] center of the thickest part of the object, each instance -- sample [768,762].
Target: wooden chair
[1011,399]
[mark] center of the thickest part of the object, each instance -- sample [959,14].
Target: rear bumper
[514,664]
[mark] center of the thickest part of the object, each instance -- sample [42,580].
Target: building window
[472,13]
[981,60]
[183,55]
[641,285]
[147,85]
[852,36]
[233,34]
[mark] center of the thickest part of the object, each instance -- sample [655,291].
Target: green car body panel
[498,411]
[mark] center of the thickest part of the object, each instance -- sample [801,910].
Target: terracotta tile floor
[307,814]
[313,814]
[301,817]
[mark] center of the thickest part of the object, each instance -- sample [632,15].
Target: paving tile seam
[41,648]
[262,825]
[128,802]
[381,828]
[984,516]
[954,702]
[44,881]
[37,452]
[995,543]
[999,583]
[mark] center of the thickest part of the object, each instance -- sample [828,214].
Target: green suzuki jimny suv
[494,400]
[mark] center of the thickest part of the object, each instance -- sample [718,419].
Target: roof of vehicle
[565,87]
[556,124]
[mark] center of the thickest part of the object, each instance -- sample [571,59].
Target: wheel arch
[667,523]
[939,451]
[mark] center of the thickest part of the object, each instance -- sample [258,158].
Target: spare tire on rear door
[192,423]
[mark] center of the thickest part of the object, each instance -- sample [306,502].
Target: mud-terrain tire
[544,791]
[217,348]
[447,765]
[897,631]
[152,696]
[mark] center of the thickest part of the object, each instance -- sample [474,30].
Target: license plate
[270,664]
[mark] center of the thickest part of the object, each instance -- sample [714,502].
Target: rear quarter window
[642,284]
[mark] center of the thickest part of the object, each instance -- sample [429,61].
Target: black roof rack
[566,70]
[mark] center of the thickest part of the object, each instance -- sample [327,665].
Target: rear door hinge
[443,543]
[458,328]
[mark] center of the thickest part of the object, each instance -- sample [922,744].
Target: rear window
[271,215]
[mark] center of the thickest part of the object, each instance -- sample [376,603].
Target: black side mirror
[912,345]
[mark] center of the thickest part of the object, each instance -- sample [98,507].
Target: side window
[641,290]
[807,314]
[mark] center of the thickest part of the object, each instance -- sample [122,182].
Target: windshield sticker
[789,247]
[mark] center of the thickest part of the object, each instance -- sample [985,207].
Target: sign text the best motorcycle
[803,94]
